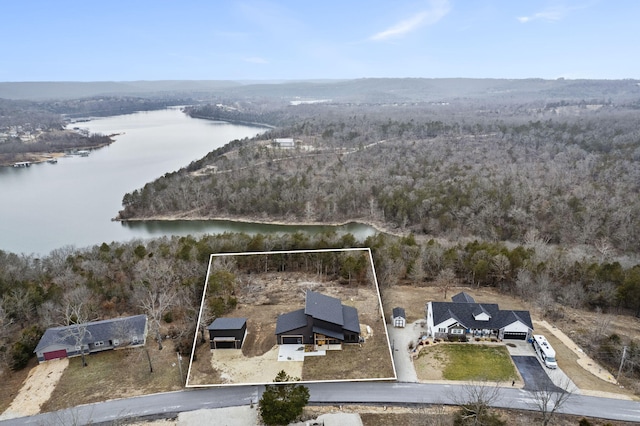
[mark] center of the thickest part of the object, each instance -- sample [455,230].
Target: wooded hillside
[570,172]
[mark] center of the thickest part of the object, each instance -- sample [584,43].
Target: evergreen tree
[283,403]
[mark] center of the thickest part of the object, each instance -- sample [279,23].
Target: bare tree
[76,316]
[475,402]
[549,401]
[156,291]
[445,280]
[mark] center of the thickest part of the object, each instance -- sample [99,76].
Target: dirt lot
[261,300]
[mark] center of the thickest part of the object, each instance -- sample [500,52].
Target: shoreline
[43,157]
[375,225]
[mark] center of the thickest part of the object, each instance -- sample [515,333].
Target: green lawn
[467,362]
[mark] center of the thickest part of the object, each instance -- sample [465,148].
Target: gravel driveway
[400,338]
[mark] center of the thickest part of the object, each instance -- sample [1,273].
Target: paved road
[160,405]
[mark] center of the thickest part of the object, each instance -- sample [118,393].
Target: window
[442,330]
[457,331]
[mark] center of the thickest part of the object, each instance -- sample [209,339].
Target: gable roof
[291,321]
[324,308]
[480,310]
[464,313]
[398,312]
[462,297]
[95,331]
[227,324]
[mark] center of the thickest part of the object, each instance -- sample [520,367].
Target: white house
[465,317]
[284,143]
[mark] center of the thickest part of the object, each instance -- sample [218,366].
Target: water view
[48,206]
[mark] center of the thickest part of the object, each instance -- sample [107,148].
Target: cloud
[438,9]
[552,14]
[256,60]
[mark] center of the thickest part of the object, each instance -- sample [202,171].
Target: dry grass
[116,374]
[202,372]
[371,360]
[12,382]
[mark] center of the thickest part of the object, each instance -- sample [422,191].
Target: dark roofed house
[462,297]
[90,337]
[324,322]
[227,333]
[464,317]
[398,317]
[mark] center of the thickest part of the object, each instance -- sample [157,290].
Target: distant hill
[366,90]
[47,90]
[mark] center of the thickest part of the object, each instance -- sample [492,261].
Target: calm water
[48,206]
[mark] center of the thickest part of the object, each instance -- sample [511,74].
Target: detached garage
[227,333]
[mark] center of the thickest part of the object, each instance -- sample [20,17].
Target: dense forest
[570,172]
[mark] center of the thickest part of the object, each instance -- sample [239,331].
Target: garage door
[62,353]
[515,335]
[291,340]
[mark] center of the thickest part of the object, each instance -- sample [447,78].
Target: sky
[240,40]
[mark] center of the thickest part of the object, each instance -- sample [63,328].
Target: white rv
[544,351]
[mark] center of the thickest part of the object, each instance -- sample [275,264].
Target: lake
[48,206]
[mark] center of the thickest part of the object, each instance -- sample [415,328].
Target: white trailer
[544,351]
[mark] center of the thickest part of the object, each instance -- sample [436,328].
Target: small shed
[398,317]
[227,333]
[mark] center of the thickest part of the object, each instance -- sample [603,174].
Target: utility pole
[624,354]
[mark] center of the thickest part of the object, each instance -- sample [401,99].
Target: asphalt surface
[167,404]
[533,373]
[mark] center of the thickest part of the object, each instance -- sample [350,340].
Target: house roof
[324,308]
[321,307]
[95,331]
[351,322]
[227,324]
[398,312]
[463,313]
[480,310]
[291,321]
[331,333]
[463,297]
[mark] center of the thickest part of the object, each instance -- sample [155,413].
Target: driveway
[535,375]
[400,339]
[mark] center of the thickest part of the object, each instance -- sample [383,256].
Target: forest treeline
[164,278]
[570,172]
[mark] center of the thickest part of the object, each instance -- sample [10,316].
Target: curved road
[164,404]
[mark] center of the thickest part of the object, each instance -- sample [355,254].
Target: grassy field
[470,362]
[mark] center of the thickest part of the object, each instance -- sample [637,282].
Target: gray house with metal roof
[96,336]
[464,317]
[324,322]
